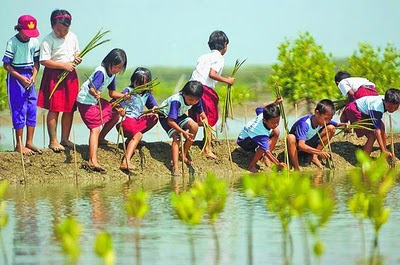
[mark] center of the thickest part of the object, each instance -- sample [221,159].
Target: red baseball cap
[27,25]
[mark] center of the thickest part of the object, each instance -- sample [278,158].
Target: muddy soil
[154,160]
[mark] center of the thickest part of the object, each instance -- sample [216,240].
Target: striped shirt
[22,55]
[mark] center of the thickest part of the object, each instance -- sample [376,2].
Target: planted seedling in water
[68,233]
[103,248]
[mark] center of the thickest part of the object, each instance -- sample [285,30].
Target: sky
[175,33]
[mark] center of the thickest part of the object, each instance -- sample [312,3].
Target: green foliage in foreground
[3,90]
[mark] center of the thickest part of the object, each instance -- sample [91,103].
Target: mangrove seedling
[68,233]
[3,217]
[103,248]
[374,179]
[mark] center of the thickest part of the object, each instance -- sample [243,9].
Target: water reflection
[35,209]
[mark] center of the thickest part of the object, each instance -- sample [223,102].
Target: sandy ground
[154,160]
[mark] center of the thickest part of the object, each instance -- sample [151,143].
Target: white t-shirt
[213,60]
[58,49]
[353,83]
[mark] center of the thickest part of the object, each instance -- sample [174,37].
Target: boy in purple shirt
[373,107]
[303,135]
[261,134]
[175,121]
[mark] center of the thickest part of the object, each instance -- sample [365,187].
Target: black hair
[217,40]
[392,95]
[325,106]
[61,16]
[140,76]
[271,111]
[193,89]
[115,57]
[340,75]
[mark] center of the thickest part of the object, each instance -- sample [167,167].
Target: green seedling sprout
[103,248]
[374,179]
[68,233]
[137,207]
[3,217]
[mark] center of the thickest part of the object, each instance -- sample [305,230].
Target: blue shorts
[181,121]
[22,101]
[247,144]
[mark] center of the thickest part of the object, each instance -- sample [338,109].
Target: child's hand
[230,80]
[282,165]
[324,154]
[153,109]
[278,100]
[69,66]
[127,96]
[188,136]
[387,154]
[25,82]
[97,95]
[121,111]
[77,60]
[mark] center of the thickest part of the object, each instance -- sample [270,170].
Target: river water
[35,209]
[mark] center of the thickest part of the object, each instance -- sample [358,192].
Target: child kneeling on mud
[308,131]
[261,134]
[175,121]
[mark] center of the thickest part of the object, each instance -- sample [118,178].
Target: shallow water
[34,209]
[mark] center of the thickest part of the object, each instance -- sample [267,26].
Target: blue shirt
[135,105]
[175,106]
[22,55]
[373,107]
[303,129]
[257,131]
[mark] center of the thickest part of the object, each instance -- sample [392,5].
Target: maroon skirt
[64,97]
[132,126]
[210,106]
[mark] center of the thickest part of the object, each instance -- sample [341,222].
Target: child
[208,71]
[89,98]
[21,61]
[261,135]
[303,135]
[59,51]
[134,124]
[175,121]
[354,87]
[373,107]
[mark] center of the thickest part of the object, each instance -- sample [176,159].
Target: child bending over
[373,107]
[303,135]
[175,121]
[261,134]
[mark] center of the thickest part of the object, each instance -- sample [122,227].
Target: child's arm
[308,149]
[276,102]
[115,94]
[69,66]
[380,136]
[273,159]
[24,80]
[215,76]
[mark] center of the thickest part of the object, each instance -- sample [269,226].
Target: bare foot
[253,169]
[56,147]
[26,151]
[34,148]
[211,155]
[316,162]
[105,142]
[175,172]
[124,167]
[186,160]
[96,167]
[67,143]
